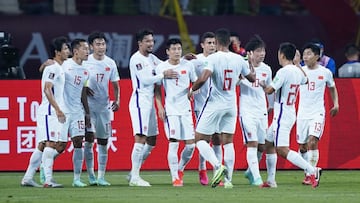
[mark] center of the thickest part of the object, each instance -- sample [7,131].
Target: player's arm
[85,103]
[199,82]
[46,63]
[268,89]
[158,101]
[335,98]
[252,75]
[116,104]
[50,96]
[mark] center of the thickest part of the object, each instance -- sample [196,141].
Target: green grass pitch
[335,186]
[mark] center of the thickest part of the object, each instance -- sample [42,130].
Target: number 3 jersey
[311,101]
[286,84]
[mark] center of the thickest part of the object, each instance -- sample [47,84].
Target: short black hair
[172,41]
[76,43]
[288,49]
[96,35]
[351,50]
[142,33]
[314,48]
[222,36]
[207,35]
[254,43]
[57,44]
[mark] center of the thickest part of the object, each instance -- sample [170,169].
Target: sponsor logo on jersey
[51,75]
[138,66]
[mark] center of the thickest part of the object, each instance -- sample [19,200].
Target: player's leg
[78,158]
[88,149]
[271,157]
[302,130]
[34,164]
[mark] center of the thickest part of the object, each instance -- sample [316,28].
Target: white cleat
[139,182]
[29,183]
[52,184]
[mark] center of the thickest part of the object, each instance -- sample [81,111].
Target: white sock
[229,160]
[271,161]
[218,152]
[78,157]
[298,161]
[34,164]
[208,153]
[253,163]
[102,160]
[173,159]
[146,152]
[313,157]
[186,155]
[304,156]
[89,158]
[48,162]
[136,157]
[259,156]
[202,163]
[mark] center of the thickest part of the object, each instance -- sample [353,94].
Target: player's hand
[61,116]
[189,56]
[190,94]
[87,120]
[334,110]
[46,63]
[89,91]
[262,84]
[115,106]
[170,74]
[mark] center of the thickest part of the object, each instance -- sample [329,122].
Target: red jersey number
[227,80]
[292,94]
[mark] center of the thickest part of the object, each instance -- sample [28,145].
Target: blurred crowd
[150,7]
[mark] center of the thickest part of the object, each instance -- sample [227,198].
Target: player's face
[259,54]
[147,44]
[99,46]
[208,46]
[65,52]
[83,51]
[174,52]
[309,57]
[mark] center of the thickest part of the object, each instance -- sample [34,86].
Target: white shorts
[219,120]
[279,130]
[253,129]
[307,127]
[48,129]
[100,124]
[74,125]
[179,127]
[144,121]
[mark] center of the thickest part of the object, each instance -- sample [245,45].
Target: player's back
[226,68]
[202,93]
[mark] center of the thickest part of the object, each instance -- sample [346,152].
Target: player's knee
[77,141]
[60,147]
[151,140]
[89,137]
[102,141]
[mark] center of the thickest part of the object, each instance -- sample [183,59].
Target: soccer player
[50,117]
[253,109]
[208,47]
[76,106]
[286,85]
[311,110]
[177,116]
[141,104]
[102,70]
[220,110]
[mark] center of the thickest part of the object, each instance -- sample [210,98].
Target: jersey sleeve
[114,73]
[193,75]
[147,79]
[329,78]
[245,67]
[50,74]
[278,79]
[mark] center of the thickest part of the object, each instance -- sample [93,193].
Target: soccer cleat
[315,178]
[29,183]
[268,184]
[42,174]
[102,182]
[257,182]
[78,183]
[92,181]
[139,182]
[248,175]
[203,178]
[177,183]
[228,185]
[307,180]
[219,174]
[221,184]
[52,184]
[181,175]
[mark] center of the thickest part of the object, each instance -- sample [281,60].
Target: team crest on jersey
[321,77]
[107,69]
[85,72]
[183,71]
[263,74]
[138,66]
[52,134]
[51,75]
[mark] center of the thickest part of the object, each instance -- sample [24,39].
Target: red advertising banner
[20,99]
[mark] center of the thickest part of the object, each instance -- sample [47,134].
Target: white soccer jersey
[201,95]
[54,74]
[286,84]
[311,101]
[253,98]
[226,68]
[75,79]
[176,101]
[101,73]
[143,78]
